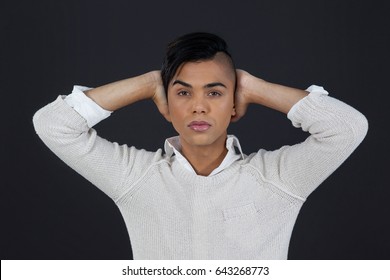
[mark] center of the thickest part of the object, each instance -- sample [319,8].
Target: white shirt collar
[172,146]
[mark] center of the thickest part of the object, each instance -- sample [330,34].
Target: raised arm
[64,127]
[251,89]
[119,94]
[336,130]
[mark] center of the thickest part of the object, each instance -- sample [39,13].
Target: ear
[167,114]
[234,111]
[164,110]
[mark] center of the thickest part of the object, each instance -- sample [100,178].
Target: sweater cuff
[313,91]
[86,107]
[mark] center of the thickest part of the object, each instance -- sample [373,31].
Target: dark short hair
[191,47]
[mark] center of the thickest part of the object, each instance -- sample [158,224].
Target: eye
[183,93]
[214,93]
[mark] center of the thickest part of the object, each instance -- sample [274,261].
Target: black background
[50,212]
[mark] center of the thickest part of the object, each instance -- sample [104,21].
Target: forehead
[216,69]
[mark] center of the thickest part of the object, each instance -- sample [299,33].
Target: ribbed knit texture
[247,211]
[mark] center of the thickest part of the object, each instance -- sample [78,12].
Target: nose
[199,105]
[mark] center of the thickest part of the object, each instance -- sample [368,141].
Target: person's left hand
[245,84]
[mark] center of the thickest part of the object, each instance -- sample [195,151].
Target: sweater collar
[172,147]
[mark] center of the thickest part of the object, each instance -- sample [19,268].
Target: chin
[201,140]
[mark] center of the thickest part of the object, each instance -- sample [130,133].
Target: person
[203,198]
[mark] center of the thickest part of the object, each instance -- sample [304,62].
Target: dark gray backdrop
[50,212]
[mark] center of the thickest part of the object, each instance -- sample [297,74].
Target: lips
[199,126]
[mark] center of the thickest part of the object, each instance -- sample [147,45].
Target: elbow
[355,128]
[43,125]
[360,127]
[349,130]
[38,122]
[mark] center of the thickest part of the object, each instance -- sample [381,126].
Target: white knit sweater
[247,211]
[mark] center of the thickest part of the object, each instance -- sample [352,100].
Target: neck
[204,159]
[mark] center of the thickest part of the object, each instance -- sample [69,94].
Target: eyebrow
[210,85]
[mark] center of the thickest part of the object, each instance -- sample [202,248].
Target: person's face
[201,101]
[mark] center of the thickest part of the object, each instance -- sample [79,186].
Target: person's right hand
[160,97]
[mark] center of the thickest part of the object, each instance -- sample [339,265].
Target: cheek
[176,113]
[175,110]
[225,108]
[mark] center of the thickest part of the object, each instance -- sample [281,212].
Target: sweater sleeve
[336,129]
[86,107]
[105,164]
